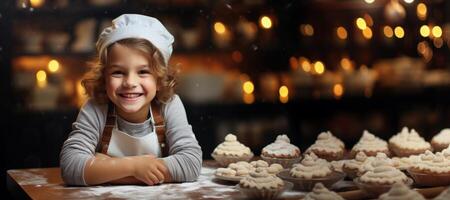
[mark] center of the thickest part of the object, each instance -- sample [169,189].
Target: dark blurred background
[255,68]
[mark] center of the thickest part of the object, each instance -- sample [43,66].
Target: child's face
[130,84]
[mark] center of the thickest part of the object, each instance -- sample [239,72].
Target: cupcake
[309,171]
[327,147]
[271,168]
[401,191]
[281,151]
[381,178]
[441,141]
[238,170]
[444,195]
[408,143]
[320,192]
[231,151]
[261,185]
[431,170]
[355,167]
[370,145]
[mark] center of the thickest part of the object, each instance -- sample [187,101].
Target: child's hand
[148,169]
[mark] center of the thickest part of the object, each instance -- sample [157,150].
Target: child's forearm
[103,169]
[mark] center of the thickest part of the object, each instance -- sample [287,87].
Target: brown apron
[160,128]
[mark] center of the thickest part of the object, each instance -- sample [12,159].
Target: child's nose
[131,81]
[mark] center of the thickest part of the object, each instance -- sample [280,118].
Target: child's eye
[144,72]
[116,73]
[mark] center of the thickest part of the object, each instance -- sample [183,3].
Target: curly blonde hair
[94,80]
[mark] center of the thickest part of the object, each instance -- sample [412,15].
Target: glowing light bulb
[248,87]
[436,31]
[341,33]
[424,31]
[388,32]
[219,27]
[319,67]
[399,32]
[361,23]
[53,66]
[265,22]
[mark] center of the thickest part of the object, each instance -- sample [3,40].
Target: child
[133,129]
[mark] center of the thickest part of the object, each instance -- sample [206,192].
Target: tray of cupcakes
[404,166]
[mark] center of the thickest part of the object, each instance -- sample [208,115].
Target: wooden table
[46,183]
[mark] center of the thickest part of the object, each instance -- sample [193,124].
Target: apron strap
[160,127]
[107,131]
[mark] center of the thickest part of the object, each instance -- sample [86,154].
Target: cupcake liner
[254,193]
[405,152]
[285,162]
[225,160]
[429,179]
[329,156]
[374,190]
[302,184]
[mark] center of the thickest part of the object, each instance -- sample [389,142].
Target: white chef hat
[138,26]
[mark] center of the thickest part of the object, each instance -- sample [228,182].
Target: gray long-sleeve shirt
[185,155]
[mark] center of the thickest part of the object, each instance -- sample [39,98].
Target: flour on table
[164,191]
[29,178]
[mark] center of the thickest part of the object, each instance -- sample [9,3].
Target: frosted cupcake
[432,170]
[281,151]
[401,191]
[370,145]
[320,192]
[381,178]
[311,168]
[441,141]
[271,168]
[355,167]
[238,170]
[261,185]
[408,143]
[309,171]
[328,147]
[231,151]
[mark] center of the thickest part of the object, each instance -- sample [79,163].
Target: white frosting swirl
[370,143]
[311,168]
[409,140]
[231,147]
[260,179]
[281,147]
[320,192]
[442,137]
[400,191]
[432,163]
[383,173]
[326,142]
